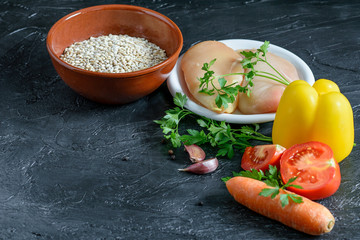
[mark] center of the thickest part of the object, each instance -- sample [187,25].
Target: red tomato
[260,157]
[314,166]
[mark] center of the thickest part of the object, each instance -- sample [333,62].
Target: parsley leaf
[194,137]
[222,82]
[180,100]
[225,179]
[269,191]
[295,198]
[284,199]
[264,48]
[258,175]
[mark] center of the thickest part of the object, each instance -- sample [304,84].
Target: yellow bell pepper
[315,113]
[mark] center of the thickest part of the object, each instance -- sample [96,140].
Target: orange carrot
[309,217]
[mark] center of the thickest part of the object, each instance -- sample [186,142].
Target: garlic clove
[203,167]
[195,152]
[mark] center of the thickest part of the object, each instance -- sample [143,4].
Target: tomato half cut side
[317,172]
[261,156]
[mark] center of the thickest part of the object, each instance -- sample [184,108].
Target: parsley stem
[262,60]
[212,84]
[259,137]
[230,74]
[185,113]
[264,138]
[273,75]
[275,79]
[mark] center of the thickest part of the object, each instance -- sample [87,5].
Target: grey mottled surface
[62,168]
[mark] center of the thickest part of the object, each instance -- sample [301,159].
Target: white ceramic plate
[176,83]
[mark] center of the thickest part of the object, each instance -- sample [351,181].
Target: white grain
[114,54]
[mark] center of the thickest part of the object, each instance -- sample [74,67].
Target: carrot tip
[330,225]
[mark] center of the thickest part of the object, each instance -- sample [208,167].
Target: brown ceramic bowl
[114,88]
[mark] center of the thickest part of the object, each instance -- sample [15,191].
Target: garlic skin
[196,153]
[202,167]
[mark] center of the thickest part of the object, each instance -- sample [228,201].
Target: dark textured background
[62,168]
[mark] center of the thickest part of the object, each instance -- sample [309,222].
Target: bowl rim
[109,7]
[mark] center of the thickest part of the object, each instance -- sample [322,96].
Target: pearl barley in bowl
[114,54]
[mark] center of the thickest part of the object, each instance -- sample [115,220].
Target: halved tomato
[314,166]
[261,156]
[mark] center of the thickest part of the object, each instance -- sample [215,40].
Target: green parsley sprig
[273,179]
[227,93]
[218,134]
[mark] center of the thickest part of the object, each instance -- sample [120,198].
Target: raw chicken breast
[227,61]
[266,93]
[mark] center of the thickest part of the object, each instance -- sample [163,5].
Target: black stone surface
[74,169]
